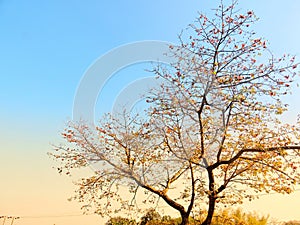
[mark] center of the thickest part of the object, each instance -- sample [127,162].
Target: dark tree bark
[212,196]
[184,219]
[211,209]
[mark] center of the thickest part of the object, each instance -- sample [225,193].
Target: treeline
[226,216]
[292,223]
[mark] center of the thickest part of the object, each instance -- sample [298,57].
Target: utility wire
[13,218]
[80,214]
[52,216]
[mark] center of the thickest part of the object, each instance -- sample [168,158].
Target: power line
[12,218]
[57,215]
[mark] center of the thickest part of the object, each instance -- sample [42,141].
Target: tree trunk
[184,218]
[211,209]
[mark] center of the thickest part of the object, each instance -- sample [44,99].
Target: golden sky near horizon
[32,189]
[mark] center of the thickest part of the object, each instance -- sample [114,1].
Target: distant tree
[294,222]
[120,221]
[151,215]
[238,217]
[168,220]
[212,133]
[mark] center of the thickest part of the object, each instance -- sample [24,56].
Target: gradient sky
[45,48]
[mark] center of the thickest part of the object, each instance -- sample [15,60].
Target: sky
[47,47]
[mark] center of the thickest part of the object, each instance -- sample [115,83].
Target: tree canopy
[212,133]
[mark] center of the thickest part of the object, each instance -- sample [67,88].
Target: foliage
[226,216]
[151,215]
[212,134]
[120,221]
[237,217]
[292,223]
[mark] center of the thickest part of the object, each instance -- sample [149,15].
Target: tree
[232,217]
[212,133]
[292,223]
[151,215]
[120,221]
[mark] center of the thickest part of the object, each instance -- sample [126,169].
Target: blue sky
[46,46]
